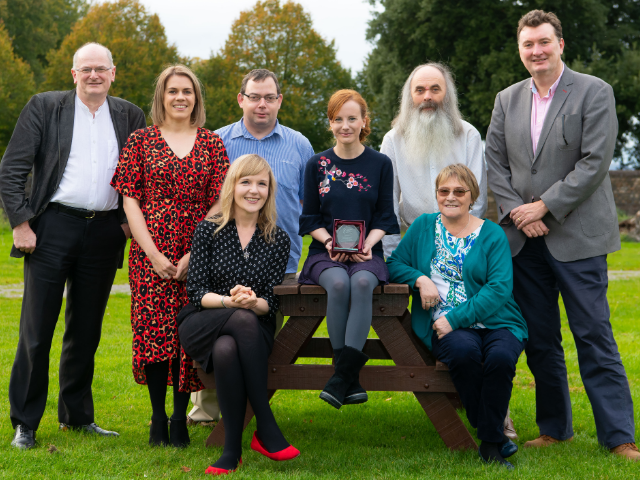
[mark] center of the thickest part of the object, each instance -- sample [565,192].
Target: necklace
[465,227]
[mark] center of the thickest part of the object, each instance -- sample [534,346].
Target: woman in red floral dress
[170,176]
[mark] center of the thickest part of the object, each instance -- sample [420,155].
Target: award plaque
[348,236]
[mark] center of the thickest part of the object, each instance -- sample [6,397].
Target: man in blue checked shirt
[287,152]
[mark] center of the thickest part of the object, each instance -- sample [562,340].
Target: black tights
[157,374]
[240,366]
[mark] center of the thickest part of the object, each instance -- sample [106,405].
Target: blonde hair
[245,166]
[464,175]
[198,115]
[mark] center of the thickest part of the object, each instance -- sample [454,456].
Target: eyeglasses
[458,192]
[98,70]
[255,98]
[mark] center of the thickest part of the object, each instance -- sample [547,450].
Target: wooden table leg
[437,406]
[294,335]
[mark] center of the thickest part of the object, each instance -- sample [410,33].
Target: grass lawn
[387,438]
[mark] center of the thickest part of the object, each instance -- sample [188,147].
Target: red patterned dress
[175,194]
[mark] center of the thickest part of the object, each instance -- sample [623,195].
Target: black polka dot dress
[219,263]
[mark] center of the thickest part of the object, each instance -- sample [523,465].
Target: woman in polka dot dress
[229,326]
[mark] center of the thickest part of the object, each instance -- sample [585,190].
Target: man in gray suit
[548,151]
[71,231]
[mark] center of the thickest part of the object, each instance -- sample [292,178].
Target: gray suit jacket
[569,171]
[41,142]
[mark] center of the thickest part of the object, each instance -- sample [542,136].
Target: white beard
[428,138]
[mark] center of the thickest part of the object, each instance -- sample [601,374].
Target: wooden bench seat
[415,369]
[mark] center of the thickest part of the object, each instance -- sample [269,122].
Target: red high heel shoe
[286,454]
[211,470]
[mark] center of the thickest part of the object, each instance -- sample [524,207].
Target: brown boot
[627,450]
[509,429]
[544,441]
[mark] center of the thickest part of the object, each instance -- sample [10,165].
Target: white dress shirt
[414,186]
[92,161]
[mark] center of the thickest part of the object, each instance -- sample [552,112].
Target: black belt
[79,212]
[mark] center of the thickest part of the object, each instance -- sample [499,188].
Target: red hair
[341,97]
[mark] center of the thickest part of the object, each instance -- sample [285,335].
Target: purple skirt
[318,263]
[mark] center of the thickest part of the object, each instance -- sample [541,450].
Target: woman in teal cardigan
[459,268]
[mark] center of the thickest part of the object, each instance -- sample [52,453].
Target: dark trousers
[485,390]
[84,254]
[538,279]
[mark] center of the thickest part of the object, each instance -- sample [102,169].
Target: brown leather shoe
[509,429]
[627,450]
[544,441]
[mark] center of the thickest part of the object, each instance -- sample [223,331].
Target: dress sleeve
[277,268]
[219,167]
[311,218]
[198,278]
[128,179]
[384,217]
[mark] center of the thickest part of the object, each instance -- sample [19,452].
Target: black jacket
[41,142]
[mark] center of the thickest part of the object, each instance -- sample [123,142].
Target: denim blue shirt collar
[239,130]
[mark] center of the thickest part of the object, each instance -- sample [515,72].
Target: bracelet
[330,239]
[222,301]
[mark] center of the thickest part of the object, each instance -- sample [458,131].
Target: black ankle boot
[159,432]
[347,368]
[355,393]
[179,433]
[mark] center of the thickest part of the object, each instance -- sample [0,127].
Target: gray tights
[348,327]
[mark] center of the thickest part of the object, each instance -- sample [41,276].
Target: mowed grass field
[389,437]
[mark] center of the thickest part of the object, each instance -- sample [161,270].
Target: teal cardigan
[487,274]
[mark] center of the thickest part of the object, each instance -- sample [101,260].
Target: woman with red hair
[350,182]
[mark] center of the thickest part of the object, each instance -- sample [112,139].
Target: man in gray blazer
[548,151]
[70,230]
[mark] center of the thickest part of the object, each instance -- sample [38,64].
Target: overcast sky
[198,27]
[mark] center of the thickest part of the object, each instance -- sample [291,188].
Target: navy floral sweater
[357,189]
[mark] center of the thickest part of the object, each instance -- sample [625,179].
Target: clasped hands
[167,270]
[353,257]
[528,218]
[241,297]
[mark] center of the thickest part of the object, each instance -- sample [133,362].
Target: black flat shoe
[179,433]
[24,438]
[90,428]
[159,433]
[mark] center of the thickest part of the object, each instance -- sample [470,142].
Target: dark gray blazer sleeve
[18,161]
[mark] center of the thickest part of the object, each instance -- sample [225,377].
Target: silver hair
[108,52]
[449,104]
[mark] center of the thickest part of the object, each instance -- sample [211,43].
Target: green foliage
[281,38]
[37,26]
[477,39]
[16,87]
[137,41]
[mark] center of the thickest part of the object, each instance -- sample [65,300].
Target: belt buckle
[93,214]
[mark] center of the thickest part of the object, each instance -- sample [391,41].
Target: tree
[137,41]
[477,39]
[281,38]
[37,26]
[16,87]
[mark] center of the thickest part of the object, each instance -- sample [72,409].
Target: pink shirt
[539,109]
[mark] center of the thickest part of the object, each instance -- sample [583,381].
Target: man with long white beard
[428,134]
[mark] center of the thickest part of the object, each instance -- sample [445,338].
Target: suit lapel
[119,118]
[525,120]
[66,116]
[562,92]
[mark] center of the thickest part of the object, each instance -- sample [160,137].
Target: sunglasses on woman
[458,192]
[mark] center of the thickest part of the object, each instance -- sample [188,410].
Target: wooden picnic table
[415,369]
